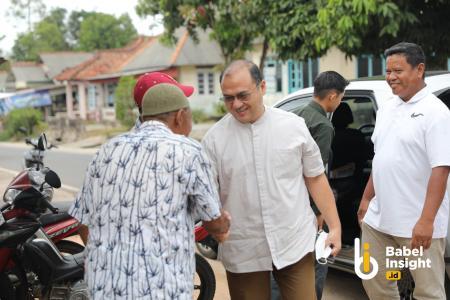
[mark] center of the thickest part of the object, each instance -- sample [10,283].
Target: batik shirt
[140,197]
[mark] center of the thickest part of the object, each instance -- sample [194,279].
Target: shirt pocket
[287,163]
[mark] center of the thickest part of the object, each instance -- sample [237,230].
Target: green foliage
[307,29]
[74,25]
[28,118]
[83,31]
[103,31]
[225,19]
[124,102]
[346,24]
[5,66]
[48,35]
[199,116]
[219,109]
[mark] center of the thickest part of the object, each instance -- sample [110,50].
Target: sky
[10,26]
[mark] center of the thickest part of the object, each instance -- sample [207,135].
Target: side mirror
[53,179]
[42,142]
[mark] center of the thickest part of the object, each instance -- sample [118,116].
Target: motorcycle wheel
[205,274]
[69,247]
[206,251]
[16,290]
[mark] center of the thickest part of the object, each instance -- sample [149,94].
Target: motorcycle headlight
[10,195]
[36,177]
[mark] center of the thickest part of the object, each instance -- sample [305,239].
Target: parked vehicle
[363,97]
[204,273]
[31,265]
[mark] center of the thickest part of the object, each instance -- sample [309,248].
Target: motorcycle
[31,265]
[57,224]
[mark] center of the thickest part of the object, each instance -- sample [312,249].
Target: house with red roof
[90,85]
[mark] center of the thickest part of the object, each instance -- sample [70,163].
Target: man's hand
[363,206]
[334,241]
[422,234]
[320,221]
[219,228]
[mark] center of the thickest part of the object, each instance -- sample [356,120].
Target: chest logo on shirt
[415,115]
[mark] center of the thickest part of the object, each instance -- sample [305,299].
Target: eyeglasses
[242,96]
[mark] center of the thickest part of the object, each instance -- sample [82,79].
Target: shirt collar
[425,91]
[154,125]
[316,106]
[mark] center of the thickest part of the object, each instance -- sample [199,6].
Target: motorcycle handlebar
[50,206]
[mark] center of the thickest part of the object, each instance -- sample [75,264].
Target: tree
[26,9]
[103,31]
[301,29]
[74,25]
[48,35]
[225,18]
[124,103]
[419,21]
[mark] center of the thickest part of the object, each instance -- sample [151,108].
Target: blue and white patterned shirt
[140,196]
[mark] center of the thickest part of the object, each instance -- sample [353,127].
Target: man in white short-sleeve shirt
[265,159]
[405,201]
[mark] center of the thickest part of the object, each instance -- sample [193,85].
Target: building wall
[335,60]
[189,75]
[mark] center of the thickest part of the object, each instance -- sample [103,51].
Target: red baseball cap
[149,80]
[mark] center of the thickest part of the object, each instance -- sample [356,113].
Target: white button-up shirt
[410,139]
[260,170]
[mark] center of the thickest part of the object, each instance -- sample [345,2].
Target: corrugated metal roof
[204,53]
[151,55]
[155,56]
[56,62]
[29,72]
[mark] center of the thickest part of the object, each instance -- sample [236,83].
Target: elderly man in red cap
[143,191]
[149,80]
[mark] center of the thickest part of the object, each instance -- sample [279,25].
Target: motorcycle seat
[52,267]
[52,218]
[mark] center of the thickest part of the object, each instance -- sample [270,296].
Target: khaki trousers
[429,283]
[295,282]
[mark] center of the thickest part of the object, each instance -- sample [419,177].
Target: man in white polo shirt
[405,201]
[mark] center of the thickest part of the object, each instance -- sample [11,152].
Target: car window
[445,97]
[363,111]
[295,103]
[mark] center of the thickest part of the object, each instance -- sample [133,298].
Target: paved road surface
[70,165]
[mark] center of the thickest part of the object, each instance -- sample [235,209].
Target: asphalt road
[69,165]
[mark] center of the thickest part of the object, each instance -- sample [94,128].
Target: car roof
[436,81]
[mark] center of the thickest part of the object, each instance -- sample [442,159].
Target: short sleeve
[203,194]
[437,139]
[323,135]
[311,158]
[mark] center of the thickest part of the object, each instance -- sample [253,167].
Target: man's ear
[421,69]
[179,118]
[263,86]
